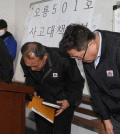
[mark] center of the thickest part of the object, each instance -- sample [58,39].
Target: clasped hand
[64,105]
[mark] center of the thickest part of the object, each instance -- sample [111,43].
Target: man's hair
[30,48]
[76,37]
[3,23]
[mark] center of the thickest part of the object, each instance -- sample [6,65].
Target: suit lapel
[91,69]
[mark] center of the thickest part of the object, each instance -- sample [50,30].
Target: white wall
[105,9]
[7,13]
[21,11]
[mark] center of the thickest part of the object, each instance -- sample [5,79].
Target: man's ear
[45,56]
[92,44]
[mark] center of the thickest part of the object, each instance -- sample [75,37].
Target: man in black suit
[6,63]
[100,53]
[55,77]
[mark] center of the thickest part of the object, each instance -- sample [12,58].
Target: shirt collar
[99,51]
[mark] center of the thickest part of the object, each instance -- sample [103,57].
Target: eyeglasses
[84,53]
[79,58]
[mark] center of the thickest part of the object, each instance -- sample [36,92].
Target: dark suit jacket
[61,80]
[6,63]
[104,81]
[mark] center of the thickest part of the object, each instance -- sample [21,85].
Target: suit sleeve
[75,82]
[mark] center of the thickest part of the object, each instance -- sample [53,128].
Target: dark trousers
[116,126]
[62,123]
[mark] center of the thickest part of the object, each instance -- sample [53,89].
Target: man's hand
[64,105]
[109,126]
[35,95]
